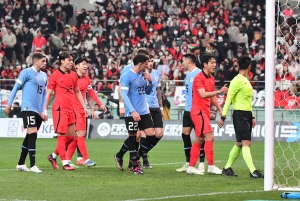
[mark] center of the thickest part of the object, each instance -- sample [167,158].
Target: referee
[240,94]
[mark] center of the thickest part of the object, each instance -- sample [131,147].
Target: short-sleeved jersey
[189,88]
[152,97]
[33,90]
[135,84]
[84,85]
[63,85]
[126,68]
[202,105]
[240,94]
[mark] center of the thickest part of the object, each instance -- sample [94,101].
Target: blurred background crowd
[110,34]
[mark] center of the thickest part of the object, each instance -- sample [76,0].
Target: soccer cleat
[183,168]
[214,170]
[137,170]
[35,169]
[72,165]
[256,174]
[53,162]
[193,170]
[146,165]
[229,172]
[89,163]
[130,166]
[119,163]
[22,168]
[68,167]
[201,167]
[80,162]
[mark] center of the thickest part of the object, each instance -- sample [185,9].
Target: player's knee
[238,144]
[246,143]
[159,132]
[80,133]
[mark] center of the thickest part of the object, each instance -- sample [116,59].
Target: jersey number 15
[39,89]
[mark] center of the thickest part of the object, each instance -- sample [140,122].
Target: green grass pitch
[106,182]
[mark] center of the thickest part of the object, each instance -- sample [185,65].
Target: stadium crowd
[110,34]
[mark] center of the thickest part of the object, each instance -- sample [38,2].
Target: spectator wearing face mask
[90,41]
[16,111]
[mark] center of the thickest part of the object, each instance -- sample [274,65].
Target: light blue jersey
[134,88]
[126,68]
[189,88]
[33,85]
[152,97]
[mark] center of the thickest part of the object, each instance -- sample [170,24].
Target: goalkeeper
[240,94]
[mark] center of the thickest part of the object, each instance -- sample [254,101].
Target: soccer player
[33,83]
[135,83]
[119,156]
[84,85]
[154,100]
[240,95]
[189,63]
[63,82]
[203,95]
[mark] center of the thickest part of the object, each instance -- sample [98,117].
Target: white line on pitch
[192,195]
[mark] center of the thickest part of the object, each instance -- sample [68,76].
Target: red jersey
[202,81]
[84,84]
[63,85]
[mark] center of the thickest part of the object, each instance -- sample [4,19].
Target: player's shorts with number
[62,119]
[80,121]
[202,124]
[133,126]
[31,119]
[156,117]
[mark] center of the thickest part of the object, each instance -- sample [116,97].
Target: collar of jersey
[63,71]
[205,74]
[80,76]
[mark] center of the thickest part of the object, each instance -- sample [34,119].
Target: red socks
[82,147]
[194,154]
[209,152]
[61,147]
[72,145]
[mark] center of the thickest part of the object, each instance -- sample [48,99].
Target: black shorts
[31,119]
[187,120]
[133,126]
[156,117]
[242,122]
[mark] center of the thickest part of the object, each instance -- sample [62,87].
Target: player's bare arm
[205,94]
[95,98]
[159,98]
[80,99]
[90,102]
[121,102]
[215,102]
[48,96]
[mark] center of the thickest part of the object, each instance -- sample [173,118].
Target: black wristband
[223,118]
[253,117]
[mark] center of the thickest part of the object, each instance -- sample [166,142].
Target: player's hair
[151,56]
[79,60]
[143,50]
[191,57]
[37,56]
[206,58]
[63,56]
[244,62]
[140,58]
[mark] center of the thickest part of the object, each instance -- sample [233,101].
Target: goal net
[286,95]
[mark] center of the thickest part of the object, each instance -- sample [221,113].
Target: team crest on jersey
[192,79]
[45,79]
[156,79]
